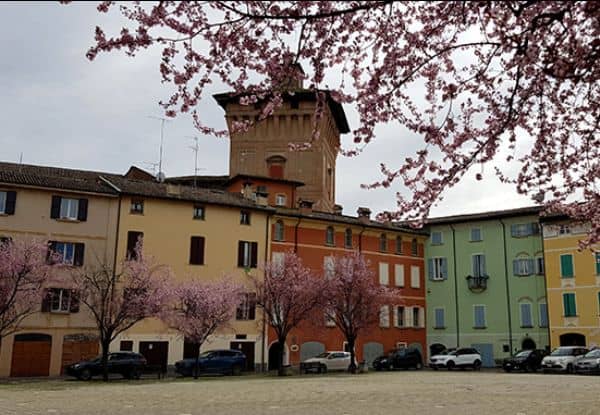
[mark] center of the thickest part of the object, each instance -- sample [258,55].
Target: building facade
[573,279]
[485,283]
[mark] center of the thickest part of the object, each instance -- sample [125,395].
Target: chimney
[364,214]
[247,189]
[306,207]
[337,209]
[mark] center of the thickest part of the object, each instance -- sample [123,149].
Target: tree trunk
[280,371]
[196,368]
[352,367]
[105,344]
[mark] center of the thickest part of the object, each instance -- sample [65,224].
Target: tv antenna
[195,148]
[162,136]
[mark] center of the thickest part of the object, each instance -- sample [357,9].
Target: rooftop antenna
[162,135]
[21,158]
[152,165]
[195,148]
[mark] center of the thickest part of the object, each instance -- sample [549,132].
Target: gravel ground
[404,392]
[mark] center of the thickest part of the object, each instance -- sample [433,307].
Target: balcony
[477,284]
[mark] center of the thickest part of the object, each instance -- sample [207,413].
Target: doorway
[248,349]
[156,354]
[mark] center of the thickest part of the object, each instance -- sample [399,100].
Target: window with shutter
[134,240]
[8,200]
[384,316]
[244,217]
[526,320]
[414,248]
[82,210]
[543,315]
[570,308]
[597,263]
[60,300]
[69,209]
[566,266]
[479,316]
[383,243]
[330,236]
[197,250]
[523,266]
[399,275]
[384,275]
[2,202]
[280,200]
[278,233]
[400,317]
[247,254]
[436,238]
[475,235]
[437,269]
[439,318]
[67,253]
[415,317]
[398,244]
[479,265]
[415,277]
[539,265]
[246,310]
[348,238]
[199,212]
[137,206]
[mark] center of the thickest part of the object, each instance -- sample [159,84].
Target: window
[476,235]
[383,243]
[398,244]
[521,230]
[526,319]
[436,238]
[399,275]
[247,308]
[479,316]
[278,232]
[137,206]
[569,304]
[8,202]
[384,316]
[247,254]
[415,317]
[437,269]
[400,322]
[597,263]
[280,200]
[523,266]
[543,315]
[384,276]
[479,265]
[566,266]
[278,258]
[126,346]
[348,238]
[329,236]
[439,318]
[67,253]
[68,209]
[329,319]
[539,265]
[60,300]
[244,217]
[564,230]
[134,243]
[414,248]
[415,277]
[199,212]
[329,267]
[197,250]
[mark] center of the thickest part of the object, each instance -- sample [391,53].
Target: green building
[486,286]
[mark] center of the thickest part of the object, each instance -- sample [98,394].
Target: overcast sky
[59,109]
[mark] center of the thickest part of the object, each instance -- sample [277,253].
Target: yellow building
[77,212]
[573,285]
[200,233]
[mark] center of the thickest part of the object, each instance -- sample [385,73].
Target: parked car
[525,360]
[213,361]
[327,361]
[589,363]
[128,364]
[461,358]
[563,359]
[400,358]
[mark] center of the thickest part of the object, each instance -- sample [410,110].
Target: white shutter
[277,258]
[399,275]
[384,316]
[384,277]
[415,277]
[328,266]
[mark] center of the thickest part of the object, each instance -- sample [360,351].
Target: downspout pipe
[455,286]
[360,239]
[296,234]
[264,324]
[508,304]
[545,284]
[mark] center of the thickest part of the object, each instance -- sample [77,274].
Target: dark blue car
[213,361]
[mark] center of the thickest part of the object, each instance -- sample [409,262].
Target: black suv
[213,361]
[525,360]
[128,364]
[401,358]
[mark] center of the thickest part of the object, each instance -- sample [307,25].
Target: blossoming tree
[354,299]
[200,308]
[23,272]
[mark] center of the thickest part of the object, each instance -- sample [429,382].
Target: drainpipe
[455,287]
[264,325]
[360,239]
[510,334]
[296,235]
[545,285]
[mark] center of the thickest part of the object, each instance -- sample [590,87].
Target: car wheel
[507,369]
[569,368]
[477,365]
[85,374]
[533,369]
[450,365]
[435,368]
[419,366]
[236,370]
[134,374]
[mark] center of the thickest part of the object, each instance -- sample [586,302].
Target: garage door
[487,353]
[310,349]
[31,355]
[77,348]
[371,351]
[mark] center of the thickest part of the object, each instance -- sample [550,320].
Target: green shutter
[569,305]
[566,266]
[597,263]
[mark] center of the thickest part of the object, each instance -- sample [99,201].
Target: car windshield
[524,353]
[206,354]
[324,354]
[562,352]
[593,354]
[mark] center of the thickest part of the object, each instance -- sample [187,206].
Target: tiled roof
[496,214]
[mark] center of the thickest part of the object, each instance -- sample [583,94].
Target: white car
[562,359]
[327,361]
[465,357]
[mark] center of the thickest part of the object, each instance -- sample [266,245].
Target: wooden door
[156,354]
[77,350]
[31,355]
[248,349]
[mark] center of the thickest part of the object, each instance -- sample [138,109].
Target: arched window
[348,238]
[383,243]
[278,232]
[398,244]
[414,247]
[329,236]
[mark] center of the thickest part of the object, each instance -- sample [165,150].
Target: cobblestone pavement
[404,392]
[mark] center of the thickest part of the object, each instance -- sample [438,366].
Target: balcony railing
[477,284]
